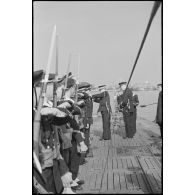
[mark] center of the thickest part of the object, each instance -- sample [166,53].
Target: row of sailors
[61,153]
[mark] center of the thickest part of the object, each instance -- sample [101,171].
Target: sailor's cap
[122,83]
[101,86]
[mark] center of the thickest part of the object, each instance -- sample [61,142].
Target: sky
[106,35]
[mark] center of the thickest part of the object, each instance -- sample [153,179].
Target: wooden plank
[143,163]
[124,163]
[92,181]
[88,173]
[116,181]
[142,183]
[109,164]
[119,163]
[95,165]
[153,162]
[157,178]
[152,181]
[114,163]
[122,181]
[135,181]
[87,180]
[149,163]
[99,163]
[130,142]
[110,180]
[134,162]
[110,152]
[98,181]
[85,174]
[104,181]
[129,181]
[103,163]
[129,163]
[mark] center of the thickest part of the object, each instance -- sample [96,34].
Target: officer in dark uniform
[159,120]
[125,102]
[87,115]
[103,99]
[135,104]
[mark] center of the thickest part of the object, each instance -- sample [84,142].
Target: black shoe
[79,187]
[84,162]
[89,155]
[101,139]
[81,182]
[131,137]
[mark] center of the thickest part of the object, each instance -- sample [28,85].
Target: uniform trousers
[53,176]
[130,123]
[106,125]
[74,160]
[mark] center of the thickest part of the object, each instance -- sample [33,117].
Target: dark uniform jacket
[104,101]
[126,102]
[135,100]
[87,109]
[159,110]
[88,106]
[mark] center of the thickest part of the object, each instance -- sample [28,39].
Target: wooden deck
[130,166]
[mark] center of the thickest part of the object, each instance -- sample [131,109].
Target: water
[147,97]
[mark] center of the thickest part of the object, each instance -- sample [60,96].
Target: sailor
[87,117]
[54,168]
[159,119]
[135,104]
[103,99]
[125,102]
[77,141]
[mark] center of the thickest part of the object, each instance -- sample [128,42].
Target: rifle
[36,122]
[76,90]
[76,96]
[147,105]
[56,77]
[55,95]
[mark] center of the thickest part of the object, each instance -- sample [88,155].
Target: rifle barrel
[66,79]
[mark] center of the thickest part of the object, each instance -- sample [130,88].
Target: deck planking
[121,166]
